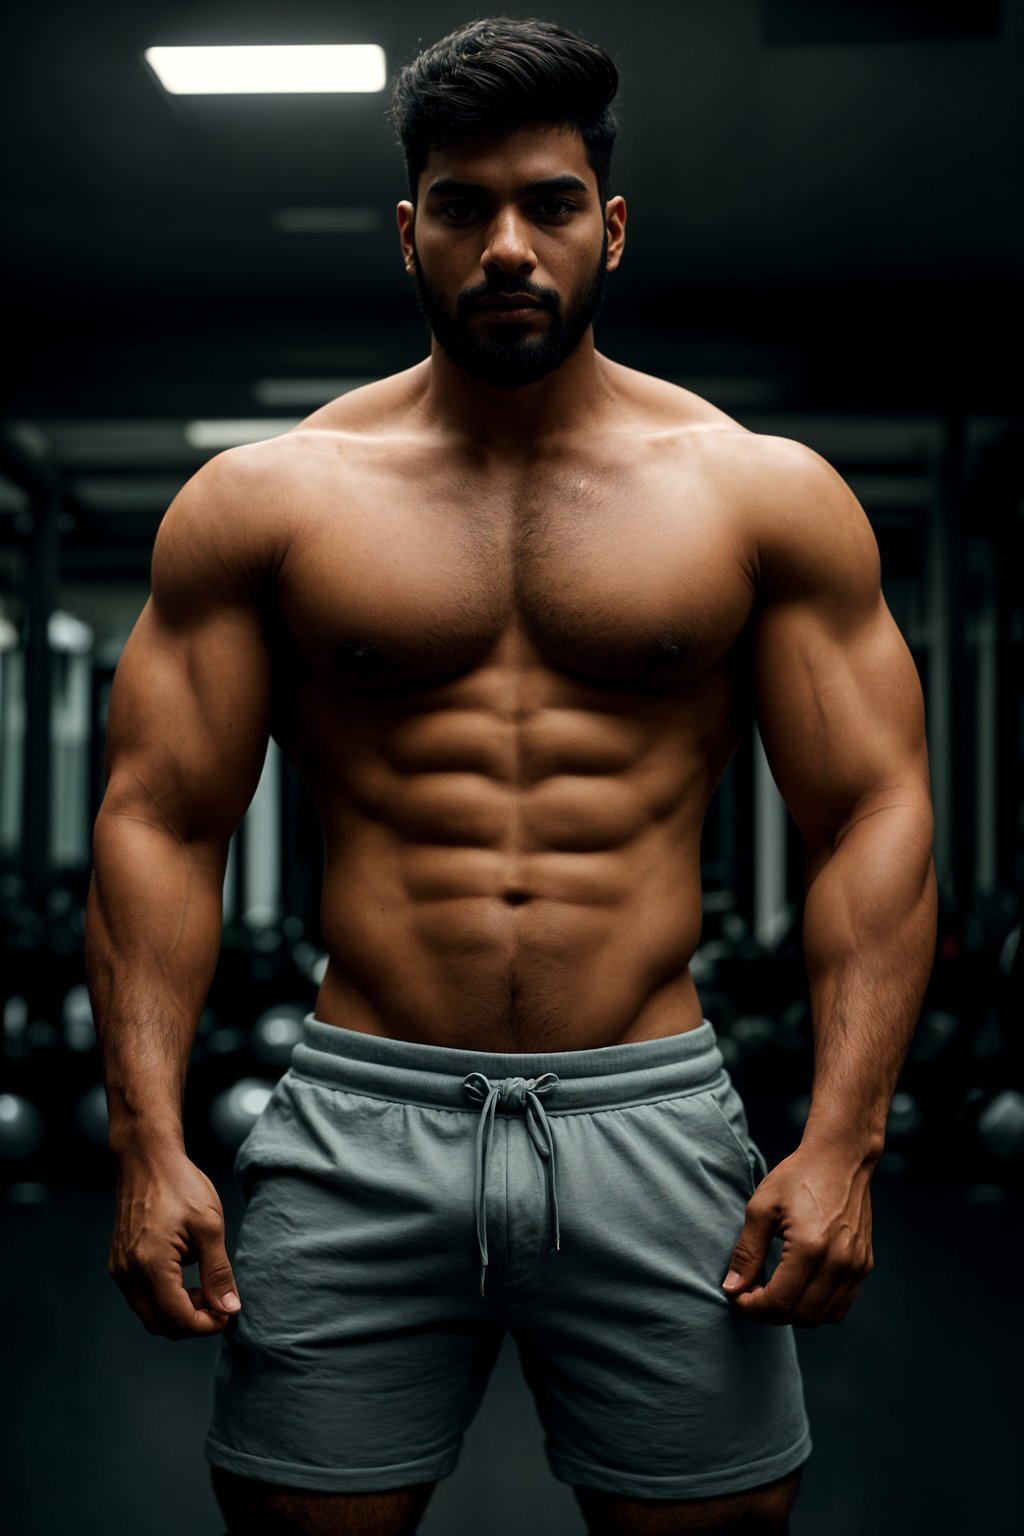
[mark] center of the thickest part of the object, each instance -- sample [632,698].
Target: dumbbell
[234,1112]
[276,1033]
[22,1128]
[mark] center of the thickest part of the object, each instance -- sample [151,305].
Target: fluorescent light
[85,443]
[278,392]
[326,221]
[126,493]
[265,70]
[230,434]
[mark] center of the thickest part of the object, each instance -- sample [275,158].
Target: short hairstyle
[497,74]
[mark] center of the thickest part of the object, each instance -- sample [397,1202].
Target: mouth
[507,307]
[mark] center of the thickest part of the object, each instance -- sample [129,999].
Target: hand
[169,1214]
[818,1200]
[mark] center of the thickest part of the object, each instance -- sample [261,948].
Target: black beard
[509,364]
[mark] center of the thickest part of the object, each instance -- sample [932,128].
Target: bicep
[188,721]
[837,696]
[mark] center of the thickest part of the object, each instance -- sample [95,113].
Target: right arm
[187,733]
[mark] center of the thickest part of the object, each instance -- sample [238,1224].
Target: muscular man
[509,612]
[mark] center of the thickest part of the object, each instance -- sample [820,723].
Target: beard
[510,361]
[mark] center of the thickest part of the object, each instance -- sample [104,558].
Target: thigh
[762,1511]
[253,1508]
[360,1354]
[649,1383]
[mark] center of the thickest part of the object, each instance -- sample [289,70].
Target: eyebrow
[447,186]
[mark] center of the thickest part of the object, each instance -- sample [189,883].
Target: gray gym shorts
[407,1204]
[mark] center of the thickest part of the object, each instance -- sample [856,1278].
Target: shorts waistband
[603,1077]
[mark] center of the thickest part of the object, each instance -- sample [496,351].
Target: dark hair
[494,75]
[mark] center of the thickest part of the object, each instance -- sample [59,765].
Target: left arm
[841,716]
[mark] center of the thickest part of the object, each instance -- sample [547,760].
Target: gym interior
[825,240]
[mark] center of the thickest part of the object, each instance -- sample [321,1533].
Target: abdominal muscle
[482,973]
[512,884]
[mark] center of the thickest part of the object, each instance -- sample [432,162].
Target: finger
[198,1299]
[831,1304]
[177,1317]
[840,1305]
[128,1276]
[750,1251]
[779,1300]
[831,1290]
[215,1276]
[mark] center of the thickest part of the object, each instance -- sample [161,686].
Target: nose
[508,247]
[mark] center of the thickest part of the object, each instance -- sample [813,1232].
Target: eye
[456,212]
[553,207]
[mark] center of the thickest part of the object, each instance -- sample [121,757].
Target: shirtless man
[509,613]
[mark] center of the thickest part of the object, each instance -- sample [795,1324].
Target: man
[509,613]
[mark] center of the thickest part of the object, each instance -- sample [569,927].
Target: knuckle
[138,1256]
[206,1223]
[852,1267]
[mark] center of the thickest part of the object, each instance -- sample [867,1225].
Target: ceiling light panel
[285,392]
[231,434]
[326,221]
[269,70]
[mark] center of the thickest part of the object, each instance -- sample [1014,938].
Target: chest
[614,579]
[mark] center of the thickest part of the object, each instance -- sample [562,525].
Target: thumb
[215,1276]
[750,1252]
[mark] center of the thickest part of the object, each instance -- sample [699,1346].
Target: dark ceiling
[832,206]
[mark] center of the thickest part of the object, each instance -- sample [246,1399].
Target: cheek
[448,265]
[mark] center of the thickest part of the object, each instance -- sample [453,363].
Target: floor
[915,1400]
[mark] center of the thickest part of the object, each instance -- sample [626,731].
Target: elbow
[894,819]
[905,808]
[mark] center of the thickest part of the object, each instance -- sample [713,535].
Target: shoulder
[252,489]
[227,529]
[806,529]
[227,535]
[793,512]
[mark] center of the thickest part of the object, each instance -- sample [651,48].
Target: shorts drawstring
[519,1092]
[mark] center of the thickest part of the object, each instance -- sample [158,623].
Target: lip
[508,307]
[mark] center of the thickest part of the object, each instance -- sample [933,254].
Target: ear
[406,219]
[615,221]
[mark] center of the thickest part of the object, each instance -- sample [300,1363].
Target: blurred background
[825,239]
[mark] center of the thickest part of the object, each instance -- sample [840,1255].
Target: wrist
[853,1140]
[141,1136]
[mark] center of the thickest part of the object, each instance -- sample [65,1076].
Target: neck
[512,424]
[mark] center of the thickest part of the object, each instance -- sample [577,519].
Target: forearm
[869,939]
[153,927]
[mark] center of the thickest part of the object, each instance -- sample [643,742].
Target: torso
[512,693]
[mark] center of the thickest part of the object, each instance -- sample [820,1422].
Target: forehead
[531,153]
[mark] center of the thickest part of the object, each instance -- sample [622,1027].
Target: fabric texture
[387,1180]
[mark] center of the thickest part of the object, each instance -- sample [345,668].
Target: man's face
[516,215]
